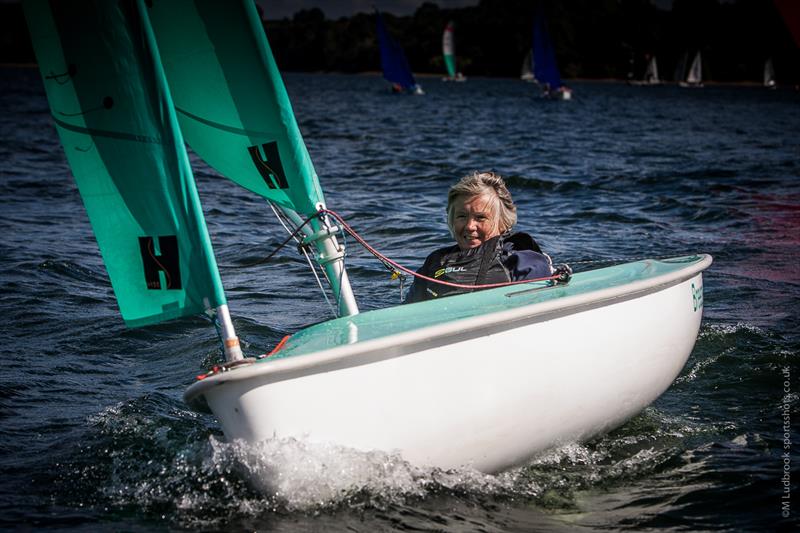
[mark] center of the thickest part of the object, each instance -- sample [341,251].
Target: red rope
[279,346]
[397,266]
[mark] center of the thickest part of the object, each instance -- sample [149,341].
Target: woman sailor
[480,215]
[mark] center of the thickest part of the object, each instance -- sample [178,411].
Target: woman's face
[474,221]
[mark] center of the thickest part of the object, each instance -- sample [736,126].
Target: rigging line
[218,327]
[398,266]
[292,235]
[319,283]
[280,216]
[386,261]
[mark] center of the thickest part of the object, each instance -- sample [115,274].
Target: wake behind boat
[485,379]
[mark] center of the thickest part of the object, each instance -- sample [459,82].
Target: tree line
[595,39]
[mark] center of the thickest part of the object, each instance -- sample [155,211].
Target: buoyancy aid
[495,261]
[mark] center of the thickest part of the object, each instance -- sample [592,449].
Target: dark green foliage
[593,38]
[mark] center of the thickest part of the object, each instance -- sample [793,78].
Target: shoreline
[428,75]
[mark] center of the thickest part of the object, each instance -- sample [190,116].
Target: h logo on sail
[268,162]
[165,259]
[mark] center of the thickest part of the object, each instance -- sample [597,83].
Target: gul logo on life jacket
[267,160]
[447,270]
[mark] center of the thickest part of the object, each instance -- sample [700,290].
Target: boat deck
[405,318]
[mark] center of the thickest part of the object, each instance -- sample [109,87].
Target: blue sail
[545,68]
[393,60]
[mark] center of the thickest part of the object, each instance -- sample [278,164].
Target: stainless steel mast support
[331,257]
[233,352]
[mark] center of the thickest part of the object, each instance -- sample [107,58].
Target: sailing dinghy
[650,74]
[694,78]
[526,71]
[769,75]
[545,68]
[393,61]
[486,379]
[449,53]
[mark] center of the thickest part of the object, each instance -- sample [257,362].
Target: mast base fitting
[225,367]
[324,233]
[327,259]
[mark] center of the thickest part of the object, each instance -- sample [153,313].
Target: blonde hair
[493,187]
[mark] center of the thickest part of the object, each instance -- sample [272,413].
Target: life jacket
[482,265]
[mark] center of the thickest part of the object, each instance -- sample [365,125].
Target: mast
[330,256]
[230,342]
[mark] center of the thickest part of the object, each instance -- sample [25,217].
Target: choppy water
[93,431]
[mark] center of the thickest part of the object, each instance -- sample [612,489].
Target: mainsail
[545,68]
[651,72]
[449,49]
[695,75]
[769,74]
[114,116]
[393,59]
[526,71]
[235,113]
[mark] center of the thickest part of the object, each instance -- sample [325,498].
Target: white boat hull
[489,394]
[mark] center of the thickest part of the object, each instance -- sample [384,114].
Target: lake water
[94,434]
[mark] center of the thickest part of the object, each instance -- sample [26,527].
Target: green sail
[449,49]
[231,102]
[115,119]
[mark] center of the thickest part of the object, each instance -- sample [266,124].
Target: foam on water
[301,475]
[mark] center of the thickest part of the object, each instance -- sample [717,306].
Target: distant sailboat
[545,68]
[394,63]
[695,76]
[449,53]
[769,75]
[650,74]
[526,73]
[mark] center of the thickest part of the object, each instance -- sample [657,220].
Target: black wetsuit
[501,259]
